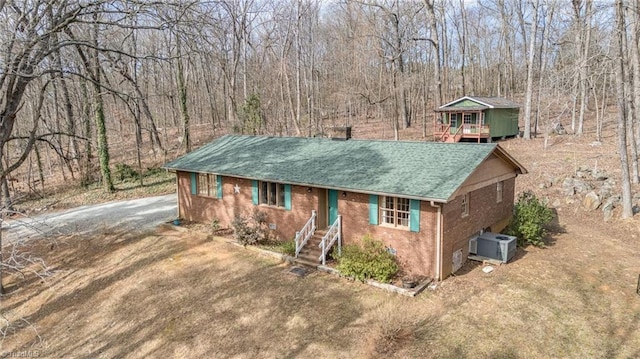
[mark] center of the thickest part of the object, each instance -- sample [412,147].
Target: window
[272,194]
[465,205]
[207,185]
[453,120]
[395,211]
[499,188]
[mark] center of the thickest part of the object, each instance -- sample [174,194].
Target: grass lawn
[185,294]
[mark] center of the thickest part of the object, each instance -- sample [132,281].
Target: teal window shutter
[414,215]
[287,197]
[219,186]
[194,183]
[254,191]
[373,209]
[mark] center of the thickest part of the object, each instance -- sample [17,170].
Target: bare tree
[634,50]
[583,58]
[435,41]
[530,62]
[627,206]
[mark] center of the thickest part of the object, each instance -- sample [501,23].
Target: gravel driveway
[138,214]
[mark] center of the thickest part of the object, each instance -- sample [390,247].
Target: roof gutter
[438,240]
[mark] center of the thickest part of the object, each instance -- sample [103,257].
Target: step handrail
[333,234]
[457,135]
[302,236]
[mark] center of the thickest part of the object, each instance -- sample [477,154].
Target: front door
[453,122]
[322,208]
[333,206]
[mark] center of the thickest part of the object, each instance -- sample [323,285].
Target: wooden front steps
[451,138]
[310,254]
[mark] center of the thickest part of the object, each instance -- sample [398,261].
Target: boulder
[581,186]
[599,175]
[582,173]
[571,186]
[567,187]
[607,189]
[613,201]
[591,201]
[608,205]
[607,213]
[558,129]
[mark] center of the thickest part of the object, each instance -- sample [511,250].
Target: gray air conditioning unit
[494,245]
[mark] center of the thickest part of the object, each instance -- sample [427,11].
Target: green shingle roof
[424,170]
[473,103]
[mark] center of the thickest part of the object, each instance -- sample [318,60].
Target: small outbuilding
[476,118]
[425,200]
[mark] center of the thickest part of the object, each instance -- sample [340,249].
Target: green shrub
[529,220]
[215,224]
[125,173]
[251,230]
[368,260]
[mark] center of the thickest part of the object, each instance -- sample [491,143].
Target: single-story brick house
[424,200]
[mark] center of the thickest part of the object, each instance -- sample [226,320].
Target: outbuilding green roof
[476,103]
[422,170]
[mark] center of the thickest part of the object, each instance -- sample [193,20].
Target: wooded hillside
[83,80]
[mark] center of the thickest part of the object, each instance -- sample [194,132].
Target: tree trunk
[584,65]
[101,128]
[298,67]
[627,208]
[635,64]
[530,61]
[429,4]
[86,112]
[182,97]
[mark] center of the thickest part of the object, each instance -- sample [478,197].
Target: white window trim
[382,203]
[465,205]
[499,191]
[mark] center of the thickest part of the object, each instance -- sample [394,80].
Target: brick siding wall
[484,213]
[416,251]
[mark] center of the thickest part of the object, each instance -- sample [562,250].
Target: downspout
[177,196]
[438,241]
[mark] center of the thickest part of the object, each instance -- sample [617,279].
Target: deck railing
[302,237]
[333,234]
[442,132]
[474,129]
